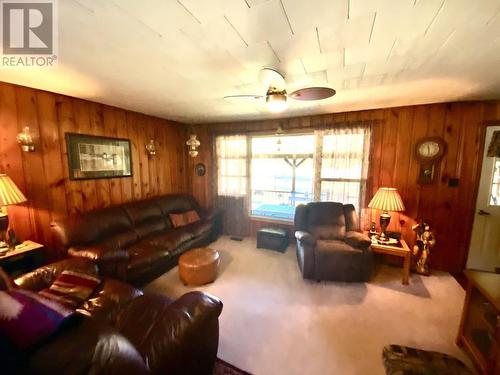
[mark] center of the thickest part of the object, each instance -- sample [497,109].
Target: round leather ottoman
[199,266]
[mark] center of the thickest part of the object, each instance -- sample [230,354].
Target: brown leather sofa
[122,331]
[330,245]
[136,241]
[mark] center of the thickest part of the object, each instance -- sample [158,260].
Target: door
[484,250]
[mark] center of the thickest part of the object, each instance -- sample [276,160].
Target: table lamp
[9,195]
[386,199]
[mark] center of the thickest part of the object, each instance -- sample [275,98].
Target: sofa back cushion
[326,220]
[92,227]
[147,217]
[177,203]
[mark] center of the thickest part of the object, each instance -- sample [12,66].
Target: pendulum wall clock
[428,152]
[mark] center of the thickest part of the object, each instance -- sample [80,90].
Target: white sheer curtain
[232,182]
[232,174]
[341,165]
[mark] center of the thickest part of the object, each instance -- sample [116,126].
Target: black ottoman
[273,239]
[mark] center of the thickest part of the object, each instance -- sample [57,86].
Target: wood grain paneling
[450,210]
[43,175]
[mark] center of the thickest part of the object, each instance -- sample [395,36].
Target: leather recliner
[122,331]
[330,245]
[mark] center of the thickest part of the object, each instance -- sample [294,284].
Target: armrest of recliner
[357,240]
[44,276]
[305,237]
[111,261]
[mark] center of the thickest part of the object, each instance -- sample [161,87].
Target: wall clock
[428,151]
[200,169]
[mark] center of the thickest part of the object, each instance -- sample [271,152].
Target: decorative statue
[425,241]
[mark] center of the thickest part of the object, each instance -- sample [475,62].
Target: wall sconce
[26,140]
[193,144]
[151,148]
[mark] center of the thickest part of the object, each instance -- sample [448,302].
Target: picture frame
[94,157]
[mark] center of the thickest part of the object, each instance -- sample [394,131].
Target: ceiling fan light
[276,102]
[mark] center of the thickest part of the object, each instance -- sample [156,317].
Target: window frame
[316,176]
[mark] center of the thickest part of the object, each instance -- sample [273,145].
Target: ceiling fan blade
[313,93]
[270,77]
[242,97]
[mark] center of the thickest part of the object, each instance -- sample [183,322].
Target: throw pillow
[71,288]
[192,216]
[178,220]
[185,218]
[27,318]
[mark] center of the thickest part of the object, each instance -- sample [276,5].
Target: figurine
[425,241]
[373,231]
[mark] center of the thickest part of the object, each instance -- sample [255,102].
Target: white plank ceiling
[177,59]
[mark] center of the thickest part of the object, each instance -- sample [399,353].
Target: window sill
[271,220]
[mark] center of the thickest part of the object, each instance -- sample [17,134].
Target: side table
[403,252]
[23,258]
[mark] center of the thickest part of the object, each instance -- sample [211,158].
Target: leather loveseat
[330,245]
[137,241]
[122,331]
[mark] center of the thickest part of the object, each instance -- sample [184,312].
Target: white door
[484,251]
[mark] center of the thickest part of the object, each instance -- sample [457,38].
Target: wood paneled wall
[43,175]
[450,210]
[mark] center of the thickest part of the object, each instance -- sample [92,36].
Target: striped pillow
[71,288]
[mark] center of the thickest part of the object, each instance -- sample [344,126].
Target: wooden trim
[306,130]
[482,138]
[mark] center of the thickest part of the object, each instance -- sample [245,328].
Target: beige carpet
[274,322]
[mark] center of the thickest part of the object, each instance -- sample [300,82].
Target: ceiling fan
[276,95]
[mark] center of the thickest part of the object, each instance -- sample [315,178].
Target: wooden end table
[403,252]
[23,258]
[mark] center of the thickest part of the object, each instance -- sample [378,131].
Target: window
[287,170]
[342,165]
[281,174]
[495,184]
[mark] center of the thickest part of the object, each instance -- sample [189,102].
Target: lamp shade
[9,192]
[387,199]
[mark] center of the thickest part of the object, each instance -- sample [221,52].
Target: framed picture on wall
[91,156]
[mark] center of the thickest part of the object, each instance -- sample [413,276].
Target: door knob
[483,213]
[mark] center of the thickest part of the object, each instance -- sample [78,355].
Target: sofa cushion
[171,239]
[326,220]
[330,246]
[199,228]
[121,240]
[143,254]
